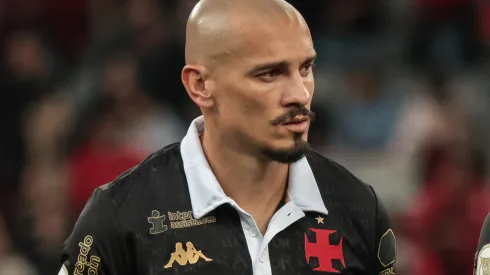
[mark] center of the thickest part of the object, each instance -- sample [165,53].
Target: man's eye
[270,75]
[306,69]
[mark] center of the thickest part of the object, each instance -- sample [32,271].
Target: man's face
[263,90]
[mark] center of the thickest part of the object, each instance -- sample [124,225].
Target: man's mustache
[292,113]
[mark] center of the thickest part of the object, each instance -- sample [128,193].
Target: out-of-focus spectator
[382,120]
[428,117]
[16,266]
[366,111]
[445,34]
[156,38]
[41,225]
[350,32]
[124,127]
[484,22]
[142,124]
[11,264]
[28,73]
[447,213]
[366,107]
[414,258]
[29,58]
[5,245]
[470,95]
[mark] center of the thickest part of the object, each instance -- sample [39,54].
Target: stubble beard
[288,155]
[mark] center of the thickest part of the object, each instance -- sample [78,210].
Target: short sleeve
[385,243]
[96,245]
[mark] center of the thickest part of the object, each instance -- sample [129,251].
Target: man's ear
[194,79]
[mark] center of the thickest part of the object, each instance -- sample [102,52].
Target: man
[482,260]
[242,193]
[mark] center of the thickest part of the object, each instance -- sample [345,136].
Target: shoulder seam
[113,207]
[342,169]
[116,212]
[128,172]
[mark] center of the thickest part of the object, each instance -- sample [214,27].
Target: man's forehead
[267,47]
[263,27]
[268,29]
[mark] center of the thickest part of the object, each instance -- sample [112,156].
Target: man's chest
[225,243]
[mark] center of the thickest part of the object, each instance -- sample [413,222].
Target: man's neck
[254,184]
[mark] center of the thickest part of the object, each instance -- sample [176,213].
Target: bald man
[243,193]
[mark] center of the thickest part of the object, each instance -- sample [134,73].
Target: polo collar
[206,193]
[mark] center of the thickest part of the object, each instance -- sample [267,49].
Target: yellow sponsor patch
[83,260]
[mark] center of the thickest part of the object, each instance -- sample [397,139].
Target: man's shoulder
[334,180]
[151,175]
[340,175]
[124,205]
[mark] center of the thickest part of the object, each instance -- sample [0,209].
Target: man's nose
[296,92]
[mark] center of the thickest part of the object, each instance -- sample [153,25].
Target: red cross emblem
[324,251]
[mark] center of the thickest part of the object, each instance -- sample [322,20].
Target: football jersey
[169,215]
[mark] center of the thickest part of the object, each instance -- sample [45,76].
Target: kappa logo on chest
[189,255]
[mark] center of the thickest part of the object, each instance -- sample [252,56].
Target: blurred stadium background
[90,87]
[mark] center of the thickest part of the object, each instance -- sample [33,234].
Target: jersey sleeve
[385,243]
[482,259]
[96,245]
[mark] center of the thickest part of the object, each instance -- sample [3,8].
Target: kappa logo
[483,261]
[184,257]
[324,251]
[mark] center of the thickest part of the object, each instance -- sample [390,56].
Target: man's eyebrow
[279,64]
[310,59]
[267,66]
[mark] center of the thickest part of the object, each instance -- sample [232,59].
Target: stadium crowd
[89,88]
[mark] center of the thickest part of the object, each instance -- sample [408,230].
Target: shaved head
[218,29]
[249,69]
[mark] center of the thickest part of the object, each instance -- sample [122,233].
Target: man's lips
[298,125]
[296,121]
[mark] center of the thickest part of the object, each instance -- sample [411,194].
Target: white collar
[206,193]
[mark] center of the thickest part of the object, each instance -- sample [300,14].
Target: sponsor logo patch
[83,260]
[189,255]
[185,219]
[387,249]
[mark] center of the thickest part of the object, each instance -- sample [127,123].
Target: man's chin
[290,154]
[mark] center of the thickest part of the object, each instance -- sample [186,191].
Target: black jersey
[169,216]
[482,259]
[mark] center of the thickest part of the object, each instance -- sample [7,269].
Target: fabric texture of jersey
[144,222]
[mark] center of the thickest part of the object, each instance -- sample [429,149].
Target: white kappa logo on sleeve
[483,261]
